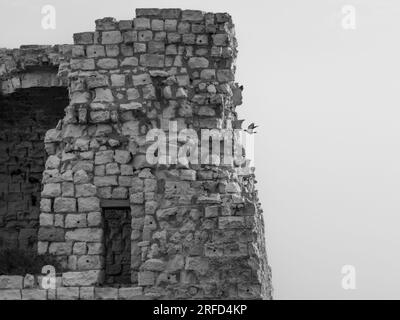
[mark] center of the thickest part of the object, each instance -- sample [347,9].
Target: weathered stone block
[51,234]
[75,221]
[192,15]
[10,294]
[106,293]
[105,181]
[81,278]
[86,293]
[64,205]
[146,278]
[231,222]
[152,60]
[198,62]
[34,294]
[83,38]
[67,293]
[11,282]
[85,234]
[86,190]
[130,293]
[111,37]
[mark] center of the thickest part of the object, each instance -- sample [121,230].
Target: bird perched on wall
[250,128]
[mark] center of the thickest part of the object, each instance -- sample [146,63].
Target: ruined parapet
[170,228]
[33,66]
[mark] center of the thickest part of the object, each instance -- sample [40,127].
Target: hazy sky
[328,149]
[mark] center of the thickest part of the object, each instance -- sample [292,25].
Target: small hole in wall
[168,277]
[87,261]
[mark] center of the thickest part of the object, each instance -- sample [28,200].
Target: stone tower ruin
[76,182]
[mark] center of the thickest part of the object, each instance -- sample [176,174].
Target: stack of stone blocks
[197,230]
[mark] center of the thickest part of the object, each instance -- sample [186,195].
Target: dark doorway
[117,223]
[25,116]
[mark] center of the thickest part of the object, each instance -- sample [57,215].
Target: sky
[327,152]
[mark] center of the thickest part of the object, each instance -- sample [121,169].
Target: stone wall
[30,287]
[25,116]
[197,230]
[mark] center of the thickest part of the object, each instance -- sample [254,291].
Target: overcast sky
[328,148]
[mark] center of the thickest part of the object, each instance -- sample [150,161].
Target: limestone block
[95,248]
[141,79]
[88,204]
[197,264]
[175,264]
[130,36]
[90,262]
[198,62]
[75,220]
[145,36]
[96,81]
[132,94]
[130,293]
[225,75]
[51,190]
[46,219]
[130,106]
[94,219]
[11,282]
[107,63]
[153,265]
[122,156]
[67,293]
[84,234]
[111,37]
[86,293]
[50,234]
[29,281]
[34,294]
[112,168]
[130,62]
[10,294]
[83,38]
[53,162]
[152,60]
[231,222]
[95,51]
[146,278]
[141,23]
[157,25]
[64,205]
[80,177]
[85,190]
[105,181]
[192,15]
[220,39]
[79,248]
[118,80]
[82,64]
[106,293]
[60,248]
[130,128]
[81,278]
[103,157]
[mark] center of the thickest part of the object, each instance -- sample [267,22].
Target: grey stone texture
[193,231]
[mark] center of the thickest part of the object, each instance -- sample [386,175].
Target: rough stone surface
[188,231]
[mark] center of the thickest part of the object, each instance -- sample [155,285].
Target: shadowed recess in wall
[25,116]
